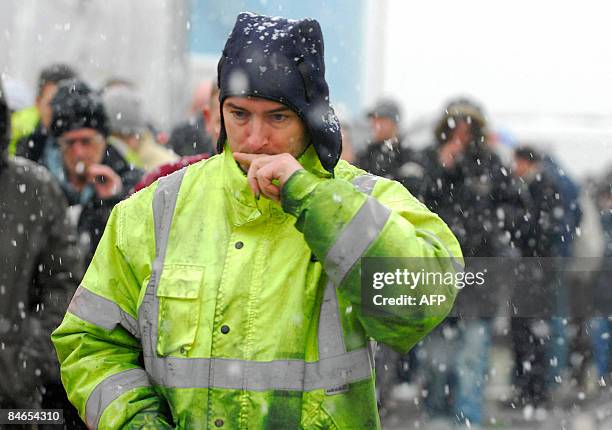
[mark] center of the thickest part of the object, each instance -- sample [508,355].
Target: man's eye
[239,114]
[278,117]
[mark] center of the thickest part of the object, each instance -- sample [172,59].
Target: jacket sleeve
[341,225]
[98,343]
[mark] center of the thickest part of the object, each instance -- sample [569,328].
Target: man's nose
[258,136]
[77,149]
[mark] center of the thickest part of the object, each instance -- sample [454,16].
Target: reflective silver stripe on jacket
[330,337]
[164,203]
[365,183]
[109,390]
[101,312]
[355,239]
[335,367]
[286,375]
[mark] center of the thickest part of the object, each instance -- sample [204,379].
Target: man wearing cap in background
[129,133]
[92,174]
[31,137]
[388,155]
[227,294]
[542,236]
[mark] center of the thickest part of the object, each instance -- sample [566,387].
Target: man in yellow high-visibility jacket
[227,295]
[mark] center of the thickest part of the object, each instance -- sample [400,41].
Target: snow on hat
[124,110]
[76,106]
[282,60]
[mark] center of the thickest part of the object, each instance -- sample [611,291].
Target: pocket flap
[180,282]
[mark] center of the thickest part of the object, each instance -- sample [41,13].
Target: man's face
[383,128]
[80,149]
[522,167]
[43,103]
[461,133]
[259,126]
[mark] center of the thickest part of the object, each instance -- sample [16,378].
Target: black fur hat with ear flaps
[282,60]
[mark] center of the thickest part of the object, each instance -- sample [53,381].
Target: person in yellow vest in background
[228,294]
[23,113]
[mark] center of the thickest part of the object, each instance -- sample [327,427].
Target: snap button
[239,245]
[219,422]
[225,329]
[183,350]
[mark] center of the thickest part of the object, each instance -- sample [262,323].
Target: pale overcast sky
[522,55]
[526,61]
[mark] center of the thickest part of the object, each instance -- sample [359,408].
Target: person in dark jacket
[537,289]
[473,192]
[34,146]
[601,325]
[388,154]
[92,174]
[39,272]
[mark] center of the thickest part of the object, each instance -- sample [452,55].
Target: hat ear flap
[309,86]
[222,136]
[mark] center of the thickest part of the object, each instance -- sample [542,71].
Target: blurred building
[166,47]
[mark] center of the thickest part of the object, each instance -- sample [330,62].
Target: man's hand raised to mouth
[263,169]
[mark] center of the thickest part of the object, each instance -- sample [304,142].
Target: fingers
[266,174]
[245,159]
[96,170]
[106,181]
[252,180]
[261,172]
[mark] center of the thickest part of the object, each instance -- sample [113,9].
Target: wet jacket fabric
[393,160]
[569,196]
[483,205]
[32,146]
[542,235]
[39,272]
[211,309]
[546,227]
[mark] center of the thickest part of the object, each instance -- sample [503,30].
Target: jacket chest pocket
[178,294]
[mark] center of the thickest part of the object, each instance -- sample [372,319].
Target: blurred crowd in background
[80,150]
